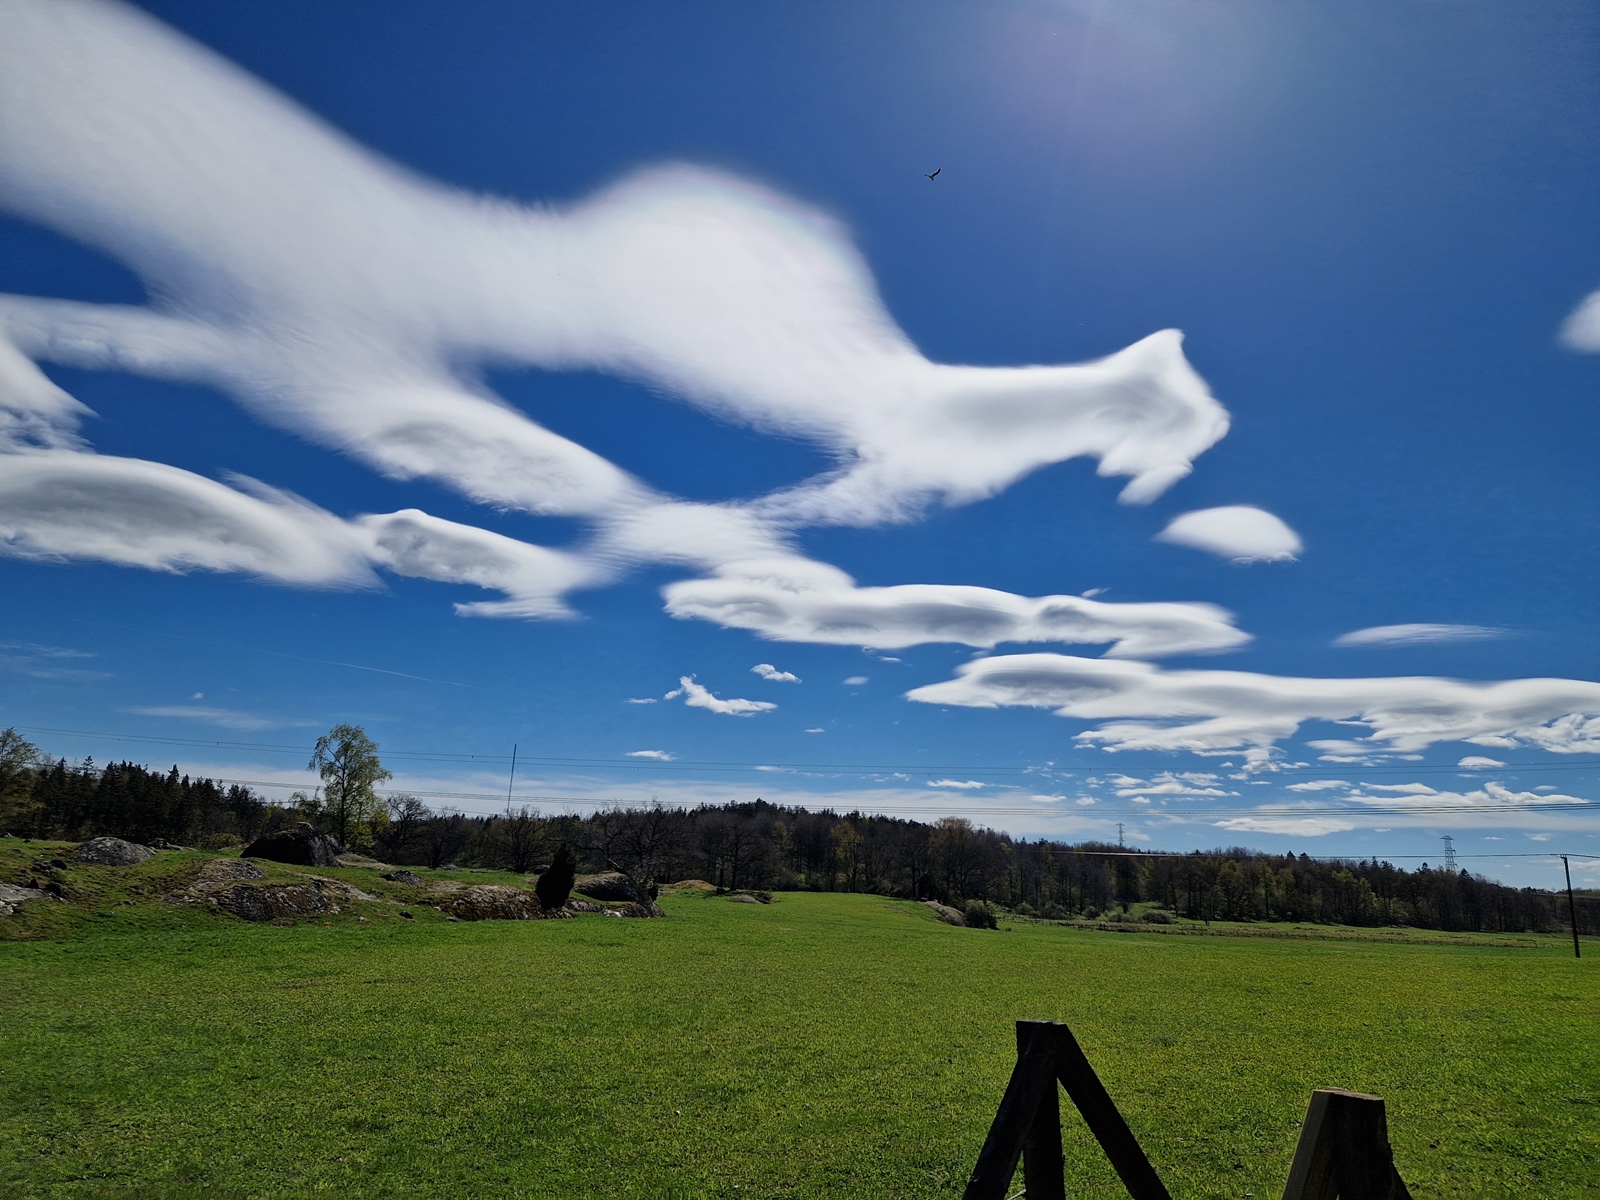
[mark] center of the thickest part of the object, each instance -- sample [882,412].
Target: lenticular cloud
[337,296]
[1144,707]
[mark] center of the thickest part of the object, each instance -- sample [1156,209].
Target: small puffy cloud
[1140,706]
[855,681]
[816,729]
[658,755]
[1581,330]
[1237,532]
[1318,785]
[696,696]
[1479,762]
[1417,635]
[961,784]
[771,673]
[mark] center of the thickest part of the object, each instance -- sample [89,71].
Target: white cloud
[1236,532]
[641,700]
[1296,826]
[1144,707]
[1318,785]
[1417,635]
[59,504]
[658,755]
[1491,795]
[855,681]
[350,302]
[226,718]
[771,673]
[816,729]
[1581,330]
[1478,762]
[790,599]
[961,784]
[696,696]
[1168,784]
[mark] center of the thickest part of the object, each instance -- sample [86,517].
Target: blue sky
[715,272]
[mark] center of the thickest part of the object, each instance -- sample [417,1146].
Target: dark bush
[978,916]
[555,885]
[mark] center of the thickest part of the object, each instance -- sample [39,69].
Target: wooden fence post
[1028,1122]
[1344,1152]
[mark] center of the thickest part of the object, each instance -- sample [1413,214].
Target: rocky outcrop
[271,901]
[609,885]
[612,909]
[301,846]
[112,852]
[227,870]
[11,896]
[405,879]
[950,916]
[492,902]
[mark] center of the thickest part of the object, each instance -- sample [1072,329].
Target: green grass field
[822,1046]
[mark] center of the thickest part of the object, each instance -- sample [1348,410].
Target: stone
[271,901]
[492,902]
[301,846]
[11,896]
[112,852]
[610,885]
[742,899]
[405,878]
[227,870]
[950,916]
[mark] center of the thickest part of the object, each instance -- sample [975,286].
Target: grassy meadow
[820,1046]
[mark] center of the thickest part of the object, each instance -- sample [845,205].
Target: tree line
[758,845]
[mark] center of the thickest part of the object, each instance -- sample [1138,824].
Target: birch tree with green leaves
[347,760]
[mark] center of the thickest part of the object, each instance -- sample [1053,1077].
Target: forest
[758,845]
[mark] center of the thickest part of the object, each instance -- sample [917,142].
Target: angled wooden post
[1344,1151]
[1028,1123]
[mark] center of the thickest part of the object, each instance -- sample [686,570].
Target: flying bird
[936,171]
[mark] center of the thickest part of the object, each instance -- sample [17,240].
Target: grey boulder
[112,852]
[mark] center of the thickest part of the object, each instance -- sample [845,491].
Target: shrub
[978,916]
[1024,909]
[1158,916]
[555,885]
[1054,912]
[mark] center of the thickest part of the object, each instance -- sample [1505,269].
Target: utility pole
[1449,854]
[1572,909]
[1119,835]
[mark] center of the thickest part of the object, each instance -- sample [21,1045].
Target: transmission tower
[1119,834]
[1449,854]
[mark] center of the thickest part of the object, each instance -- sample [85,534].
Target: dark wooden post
[1344,1152]
[1572,909]
[1028,1123]
[1106,1123]
[1043,1172]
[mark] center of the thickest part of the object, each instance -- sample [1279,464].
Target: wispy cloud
[657,755]
[1417,635]
[1144,707]
[225,718]
[1479,762]
[960,784]
[346,300]
[696,696]
[641,700]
